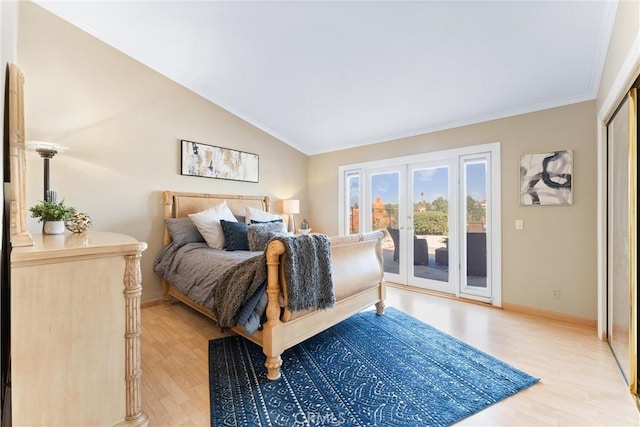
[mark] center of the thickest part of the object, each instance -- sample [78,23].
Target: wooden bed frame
[357,274]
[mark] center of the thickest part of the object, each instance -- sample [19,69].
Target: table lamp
[291,207]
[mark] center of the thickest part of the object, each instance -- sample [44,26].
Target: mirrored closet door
[622,293]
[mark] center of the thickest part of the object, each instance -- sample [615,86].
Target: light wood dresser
[75,331]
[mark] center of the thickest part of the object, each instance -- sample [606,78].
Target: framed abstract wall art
[546,178]
[210,161]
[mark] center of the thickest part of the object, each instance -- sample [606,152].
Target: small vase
[53,227]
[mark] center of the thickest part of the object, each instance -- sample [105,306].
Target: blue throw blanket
[307,271]
[250,314]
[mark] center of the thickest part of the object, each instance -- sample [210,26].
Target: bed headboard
[179,204]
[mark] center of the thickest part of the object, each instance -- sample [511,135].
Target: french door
[437,211]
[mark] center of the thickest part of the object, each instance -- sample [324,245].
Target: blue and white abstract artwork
[546,178]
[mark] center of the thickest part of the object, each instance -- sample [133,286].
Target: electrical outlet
[555,293]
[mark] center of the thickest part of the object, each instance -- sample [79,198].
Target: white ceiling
[327,75]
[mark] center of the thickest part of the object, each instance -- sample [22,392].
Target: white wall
[122,122]
[556,249]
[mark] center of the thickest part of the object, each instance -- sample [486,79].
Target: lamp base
[291,224]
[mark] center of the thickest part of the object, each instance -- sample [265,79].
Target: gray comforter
[196,270]
[227,281]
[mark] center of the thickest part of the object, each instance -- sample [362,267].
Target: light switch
[519,224]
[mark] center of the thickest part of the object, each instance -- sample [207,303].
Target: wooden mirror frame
[19,234]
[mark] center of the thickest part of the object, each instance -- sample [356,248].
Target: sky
[433,182]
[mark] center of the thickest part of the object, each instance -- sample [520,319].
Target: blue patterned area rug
[368,370]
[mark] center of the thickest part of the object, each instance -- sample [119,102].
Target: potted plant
[53,215]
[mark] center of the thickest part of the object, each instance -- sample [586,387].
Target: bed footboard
[358,284]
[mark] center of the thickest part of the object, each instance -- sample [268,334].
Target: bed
[356,265]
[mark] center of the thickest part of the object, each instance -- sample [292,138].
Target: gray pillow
[279,221]
[183,231]
[260,234]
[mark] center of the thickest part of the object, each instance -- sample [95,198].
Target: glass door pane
[353,202]
[430,210]
[474,237]
[384,211]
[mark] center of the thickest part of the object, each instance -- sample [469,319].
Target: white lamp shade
[291,206]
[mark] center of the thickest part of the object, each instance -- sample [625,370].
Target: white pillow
[225,213]
[208,224]
[259,215]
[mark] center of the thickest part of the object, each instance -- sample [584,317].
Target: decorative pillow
[279,221]
[183,231]
[225,213]
[259,215]
[235,235]
[208,224]
[259,235]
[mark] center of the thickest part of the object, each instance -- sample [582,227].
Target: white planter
[53,227]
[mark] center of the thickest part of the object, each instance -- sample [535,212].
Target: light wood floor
[580,381]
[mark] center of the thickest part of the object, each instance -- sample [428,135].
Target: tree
[476,211]
[440,204]
[383,215]
[354,219]
[431,222]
